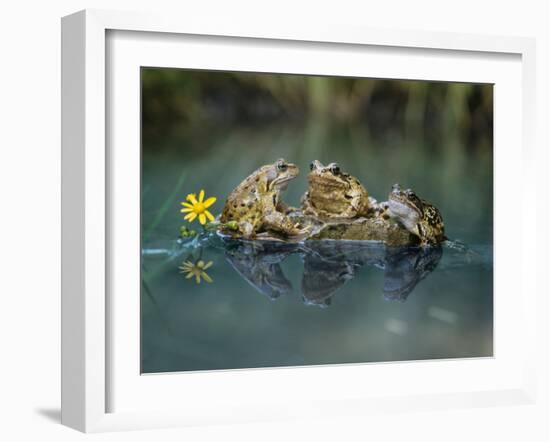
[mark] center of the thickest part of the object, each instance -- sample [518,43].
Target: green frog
[417,215]
[256,207]
[334,195]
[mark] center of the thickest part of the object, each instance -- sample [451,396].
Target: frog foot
[301,234]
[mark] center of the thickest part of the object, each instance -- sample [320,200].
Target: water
[319,303]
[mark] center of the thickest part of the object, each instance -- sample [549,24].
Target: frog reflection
[329,265]
[406,267]
[259,264]
[323,277]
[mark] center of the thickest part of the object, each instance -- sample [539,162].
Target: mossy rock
[366,229]
[373,228]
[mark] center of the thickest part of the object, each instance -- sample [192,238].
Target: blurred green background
[209,130]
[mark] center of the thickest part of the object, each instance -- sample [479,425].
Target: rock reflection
[328,265]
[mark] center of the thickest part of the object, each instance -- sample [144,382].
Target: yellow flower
[198,207]
[197,270]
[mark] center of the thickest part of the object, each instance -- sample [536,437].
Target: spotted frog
[334,194]
[255,205]
[417,215]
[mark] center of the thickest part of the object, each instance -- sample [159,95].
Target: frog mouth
[400,207]
[328,180]
[282,183]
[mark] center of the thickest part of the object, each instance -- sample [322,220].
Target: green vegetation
[175,99]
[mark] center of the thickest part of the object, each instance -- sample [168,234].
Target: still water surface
[318,303]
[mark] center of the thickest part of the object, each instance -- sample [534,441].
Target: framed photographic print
[215,146]
[265,222]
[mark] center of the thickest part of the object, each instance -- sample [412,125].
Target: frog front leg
[380,209]
[247,229]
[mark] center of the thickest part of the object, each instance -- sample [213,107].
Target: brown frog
[417,215]
[334,194]
[255,204]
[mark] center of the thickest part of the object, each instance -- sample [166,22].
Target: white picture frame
[87,211]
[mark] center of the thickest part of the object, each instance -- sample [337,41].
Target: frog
[255,205]
[417,215]
[334,194]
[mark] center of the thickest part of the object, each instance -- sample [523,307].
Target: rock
[367,229]
[373,228]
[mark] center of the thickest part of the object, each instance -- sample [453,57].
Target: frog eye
[410,193]
[335,169]
[311,165]
[281,165]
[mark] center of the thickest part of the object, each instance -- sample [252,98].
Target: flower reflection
[198,270]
